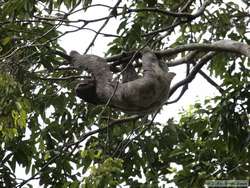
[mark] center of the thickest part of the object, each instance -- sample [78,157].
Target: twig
[103,25]
[188,3]
[61,79]
[176,23]
[213,83]
[161,11]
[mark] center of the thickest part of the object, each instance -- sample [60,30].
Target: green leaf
[121,26]
[5,41]
[86,3]
[218,65]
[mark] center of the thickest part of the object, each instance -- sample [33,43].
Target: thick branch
[186,59]
[219,46]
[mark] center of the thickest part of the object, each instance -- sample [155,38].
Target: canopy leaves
[60,141]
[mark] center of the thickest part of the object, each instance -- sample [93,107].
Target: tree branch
[165,12]
[219,46]
[192,74]
[114,9]
[61,79]
[186,59]
[176,23]
[213,83]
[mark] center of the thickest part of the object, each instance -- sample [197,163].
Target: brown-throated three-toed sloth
[135,95]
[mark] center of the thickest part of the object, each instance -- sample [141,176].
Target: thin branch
[165,12]
[184,8]
[66,15]
[92,6]
[61,79]
[103,25]
[62,20]
[70,68]
[213,83]
[104,34]
[193,73]
[188,4]
[170,27]
[176,23]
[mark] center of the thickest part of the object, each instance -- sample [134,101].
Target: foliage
[46,131]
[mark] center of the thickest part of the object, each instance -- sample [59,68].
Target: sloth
[135,95]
